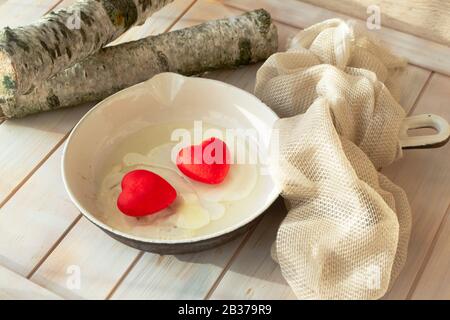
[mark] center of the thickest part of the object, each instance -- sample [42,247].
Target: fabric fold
[347,230]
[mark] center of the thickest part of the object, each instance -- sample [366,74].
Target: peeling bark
[33,53]
[225,43]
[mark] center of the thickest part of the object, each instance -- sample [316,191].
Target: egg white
[197,203]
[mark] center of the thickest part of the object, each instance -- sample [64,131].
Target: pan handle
[438,139]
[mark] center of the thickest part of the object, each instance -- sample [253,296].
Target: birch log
[224,43]
[33,53]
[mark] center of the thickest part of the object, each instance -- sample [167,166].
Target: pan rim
[269,201]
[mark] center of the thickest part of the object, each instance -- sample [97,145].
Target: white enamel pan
[172,98]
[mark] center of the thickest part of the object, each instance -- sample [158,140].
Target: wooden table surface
[45,242]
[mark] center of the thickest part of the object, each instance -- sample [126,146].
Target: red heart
[144,193]
[207,162]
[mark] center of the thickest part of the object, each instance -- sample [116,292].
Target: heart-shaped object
[144,193]
[208,162]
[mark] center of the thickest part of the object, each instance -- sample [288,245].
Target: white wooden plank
[64,3]
[414,77]
[245,77]
[263,278]
[418,51]
[165,19]
[412,81]
[164,278]
[15,13]
[15,287]
[424,18]
[90,253]
[434,283]
[425,177]
[232,77]
[35,218]
[254,274]
[187,276]
[25,142]
[52,273]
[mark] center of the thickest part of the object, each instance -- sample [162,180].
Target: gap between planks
[427,255]
[125,274]
[421,92]
[137,258]
[50,153]
[231,261]
[181,15]
[410,112]
[233,256]
[2,116]
[78,218]
[54,246]
[213,286]
[15,287]
[416,101]
[32,171]
[140,254]
[289,24]
[430,250]
[237,251]
[318,13]
[53,7]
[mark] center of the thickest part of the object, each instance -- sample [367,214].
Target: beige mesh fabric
[347,229]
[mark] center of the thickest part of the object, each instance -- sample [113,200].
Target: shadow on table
[249,255]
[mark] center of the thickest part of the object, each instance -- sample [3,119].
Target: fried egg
[197,204]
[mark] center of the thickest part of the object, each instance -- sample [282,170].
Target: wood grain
[435,279]
[166,19]
[26,142]
[188,276]
[418,51]
[31,139]
[253,273]
[262,277]
[16,13]
[35,218]
[100,260]
[425,177]
[15,287]
[76,246]
[35,211]
[412,81]
[424,18]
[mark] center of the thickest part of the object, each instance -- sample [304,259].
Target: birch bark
[225,43]
[33,53]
